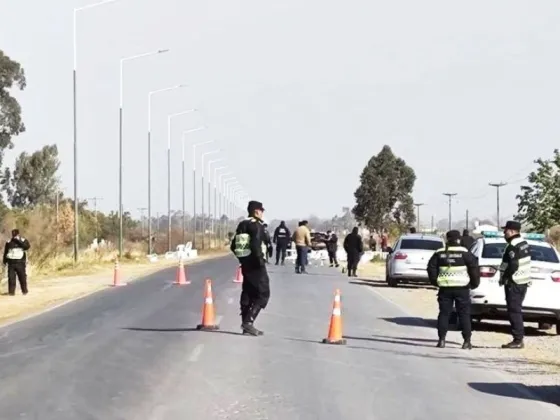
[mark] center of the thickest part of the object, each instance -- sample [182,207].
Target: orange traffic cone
[181,277]
[117,276]
[208,317]
[335,328]
[238,276]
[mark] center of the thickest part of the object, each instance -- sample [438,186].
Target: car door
[391,257]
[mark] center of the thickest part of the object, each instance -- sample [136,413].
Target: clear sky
[291,90]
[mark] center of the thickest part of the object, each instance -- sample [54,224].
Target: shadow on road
[382,284]
[548,393]
[404,341]
[180,330]
[409,321]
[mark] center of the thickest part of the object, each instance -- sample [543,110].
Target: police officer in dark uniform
[515,276]
[281,239]
[248,245]
[454,270]
[15,255]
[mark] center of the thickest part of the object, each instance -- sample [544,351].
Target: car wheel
[544,326]
[557,327]
[392,282]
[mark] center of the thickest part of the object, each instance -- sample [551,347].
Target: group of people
[454,271]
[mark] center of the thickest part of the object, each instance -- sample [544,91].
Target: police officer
[281,239]
[267,248]
[249,247]
[454,270]
[354,247]
[15,255]
[515,276]
[332,246]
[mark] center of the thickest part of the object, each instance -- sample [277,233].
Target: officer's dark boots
[247,325]
[467,345]
[515,344]
[441,343]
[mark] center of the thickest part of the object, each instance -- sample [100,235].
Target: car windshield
[538,253]
[423,244]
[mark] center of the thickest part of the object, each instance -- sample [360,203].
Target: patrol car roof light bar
[121,95]
[150,95]
[529,235]
[169,120]
[75,112]
[194,227]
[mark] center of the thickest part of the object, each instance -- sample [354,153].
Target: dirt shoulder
[47,292]
[537,366]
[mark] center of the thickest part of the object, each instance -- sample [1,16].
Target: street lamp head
[163,51]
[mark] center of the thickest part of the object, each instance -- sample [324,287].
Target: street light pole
[75,119]
[121,79]
[216,210]
[183,188]
[450,196]
[202,193]
[498,185]
[142,210]
[152,93]
[94,199]
[418,205]
[228,183]
[210,218]
[169,119]
[220,213]
[194,187]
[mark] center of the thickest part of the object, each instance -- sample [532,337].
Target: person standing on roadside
[302,238]
[15,256]
[515,276]
[354,248]
[454,271]
[247,245]
[467,240]
[332,246]
[281,238]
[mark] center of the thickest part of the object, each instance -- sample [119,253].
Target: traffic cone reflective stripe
[181,277]
[238,276]
[208,316]
[335,327]
[117,276]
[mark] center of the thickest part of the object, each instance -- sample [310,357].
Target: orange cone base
[118,285]
[178,283]
[207,327]
[342,341]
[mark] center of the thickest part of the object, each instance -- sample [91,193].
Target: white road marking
[218,319]
[230,301]
[167,286]
[195,354]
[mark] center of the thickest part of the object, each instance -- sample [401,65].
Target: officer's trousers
[280,251]
[461,297]
[515,295]
[255,290]
[17,269]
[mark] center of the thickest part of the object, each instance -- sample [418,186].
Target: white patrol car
[542,302]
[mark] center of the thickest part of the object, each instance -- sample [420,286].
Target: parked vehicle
[318,241]
[408,261]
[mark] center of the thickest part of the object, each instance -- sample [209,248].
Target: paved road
[131,353]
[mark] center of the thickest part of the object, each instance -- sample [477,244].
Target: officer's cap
[513,225]
[453,235]
[253,206]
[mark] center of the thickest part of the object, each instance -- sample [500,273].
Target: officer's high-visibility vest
[453,275]
[523,273]
[242,246]
[15,254]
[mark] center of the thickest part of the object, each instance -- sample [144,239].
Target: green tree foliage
[34,178]
[11,123]
[384,196]
[538,204]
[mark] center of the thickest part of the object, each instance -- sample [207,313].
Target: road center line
[195,354]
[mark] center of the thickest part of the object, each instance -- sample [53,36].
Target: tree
[34,178]
[11,123]
[384,196]
[538,204]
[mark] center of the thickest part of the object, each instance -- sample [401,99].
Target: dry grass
[46,291]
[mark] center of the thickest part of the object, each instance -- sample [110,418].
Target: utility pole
[418,205]
[467,219]
[142,210]
[497,185]
[450,196]
[432,223]
[94,199]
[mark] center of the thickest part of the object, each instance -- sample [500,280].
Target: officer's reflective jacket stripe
[242,242]
[523,273]
[15,254]
[453,275]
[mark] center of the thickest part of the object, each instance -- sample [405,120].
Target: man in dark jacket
[332,246]
[281,239]
[354,249]
[15,255]
[466,240]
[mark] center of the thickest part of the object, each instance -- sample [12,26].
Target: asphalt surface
[133,353]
